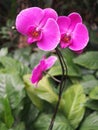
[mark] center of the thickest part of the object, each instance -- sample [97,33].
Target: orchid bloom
[74,33]
[43,65]
[39,25]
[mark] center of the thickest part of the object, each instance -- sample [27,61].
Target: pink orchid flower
[39,25]
[74,33]
[43,65]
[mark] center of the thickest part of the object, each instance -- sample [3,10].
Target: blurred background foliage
[17,59]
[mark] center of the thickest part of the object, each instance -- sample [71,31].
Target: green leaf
[20,126]
[74,98]
[90,122]
[23,55]
[89,84]
[3,126]
[73,70]
[44,91]
[12,86]
[60,123]
[11,65]
[92,104]
[94,93]
[88,60]
[8,117]
[11,95]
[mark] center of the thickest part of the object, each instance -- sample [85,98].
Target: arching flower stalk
[61,85]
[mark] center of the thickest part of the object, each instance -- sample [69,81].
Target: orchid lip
[66,38]
[35,33]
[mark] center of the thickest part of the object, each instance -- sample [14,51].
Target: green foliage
[92,104]
[91,122]
[94,93]
[88,60]
[74,99]
[44,91]
[61,123]
[73,70]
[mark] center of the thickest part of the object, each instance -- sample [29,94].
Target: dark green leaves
[11,95]
[88,60]
[61,123]
[91,122]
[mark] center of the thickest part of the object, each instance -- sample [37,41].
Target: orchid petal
[75,18]
[79,52]
[36,74]
[63,23]
[80,37]
[50,61]
[63,44]
[50,36]
[27,17]
[43,65]
[30,40]
[48,13]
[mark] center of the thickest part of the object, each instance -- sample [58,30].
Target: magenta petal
[50,36]
[80,37]
[32,39]
[50,61]
[27,17]
[36,74]
[48,13]
[75,18]
[63,23]
[63,44]
[79,52]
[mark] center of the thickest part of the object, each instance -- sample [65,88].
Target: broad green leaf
[20,126]
[94,93]
[74,98]
[8,117]
[73,70]
[23,55]
[11,95]
[89,84]
[44,91]
[3,126]
[92,104]
[11,65]
[12,86]
[88,60]
[90,122]
[61,123]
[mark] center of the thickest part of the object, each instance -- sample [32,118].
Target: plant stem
[52,77]
[61,88]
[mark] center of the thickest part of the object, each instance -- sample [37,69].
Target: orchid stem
[52,77]
[61,88]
